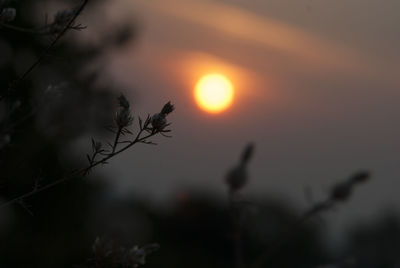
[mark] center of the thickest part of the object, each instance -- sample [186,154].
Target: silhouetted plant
[152,125]
[236,180]
[147,129]
[18,115]
[339,193]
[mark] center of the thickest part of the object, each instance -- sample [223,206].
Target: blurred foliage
[61,100]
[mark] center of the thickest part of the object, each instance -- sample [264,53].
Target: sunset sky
[316,89]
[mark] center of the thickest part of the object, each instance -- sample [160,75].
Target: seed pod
[158,121]
[168,108]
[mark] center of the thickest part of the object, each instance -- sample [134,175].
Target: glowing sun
[214,93]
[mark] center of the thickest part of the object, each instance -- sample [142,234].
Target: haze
[317,92]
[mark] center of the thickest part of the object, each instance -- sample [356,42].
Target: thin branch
[116,141]
[79,173]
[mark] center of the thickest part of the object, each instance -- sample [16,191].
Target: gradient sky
[317,90]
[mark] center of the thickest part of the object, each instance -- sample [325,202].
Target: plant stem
[78,173]
[236,229]
[116,139]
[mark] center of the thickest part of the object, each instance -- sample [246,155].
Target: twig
[79,173]
[116,141]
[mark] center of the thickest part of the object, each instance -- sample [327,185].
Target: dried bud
[342,191]
[237,177]
[159,121]
[8,14]
[61,20]
[123,102]
[247,153]
[63,17]
[123,118]
[168,108]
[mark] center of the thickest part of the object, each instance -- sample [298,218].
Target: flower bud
[158,121]
[342,191]
[123,118]
[123,102]
[61,20]
[237,177]
[63,17]
[168,108]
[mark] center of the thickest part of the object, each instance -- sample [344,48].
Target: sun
[214,93]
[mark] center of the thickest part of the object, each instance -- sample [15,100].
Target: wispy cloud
[258,30]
